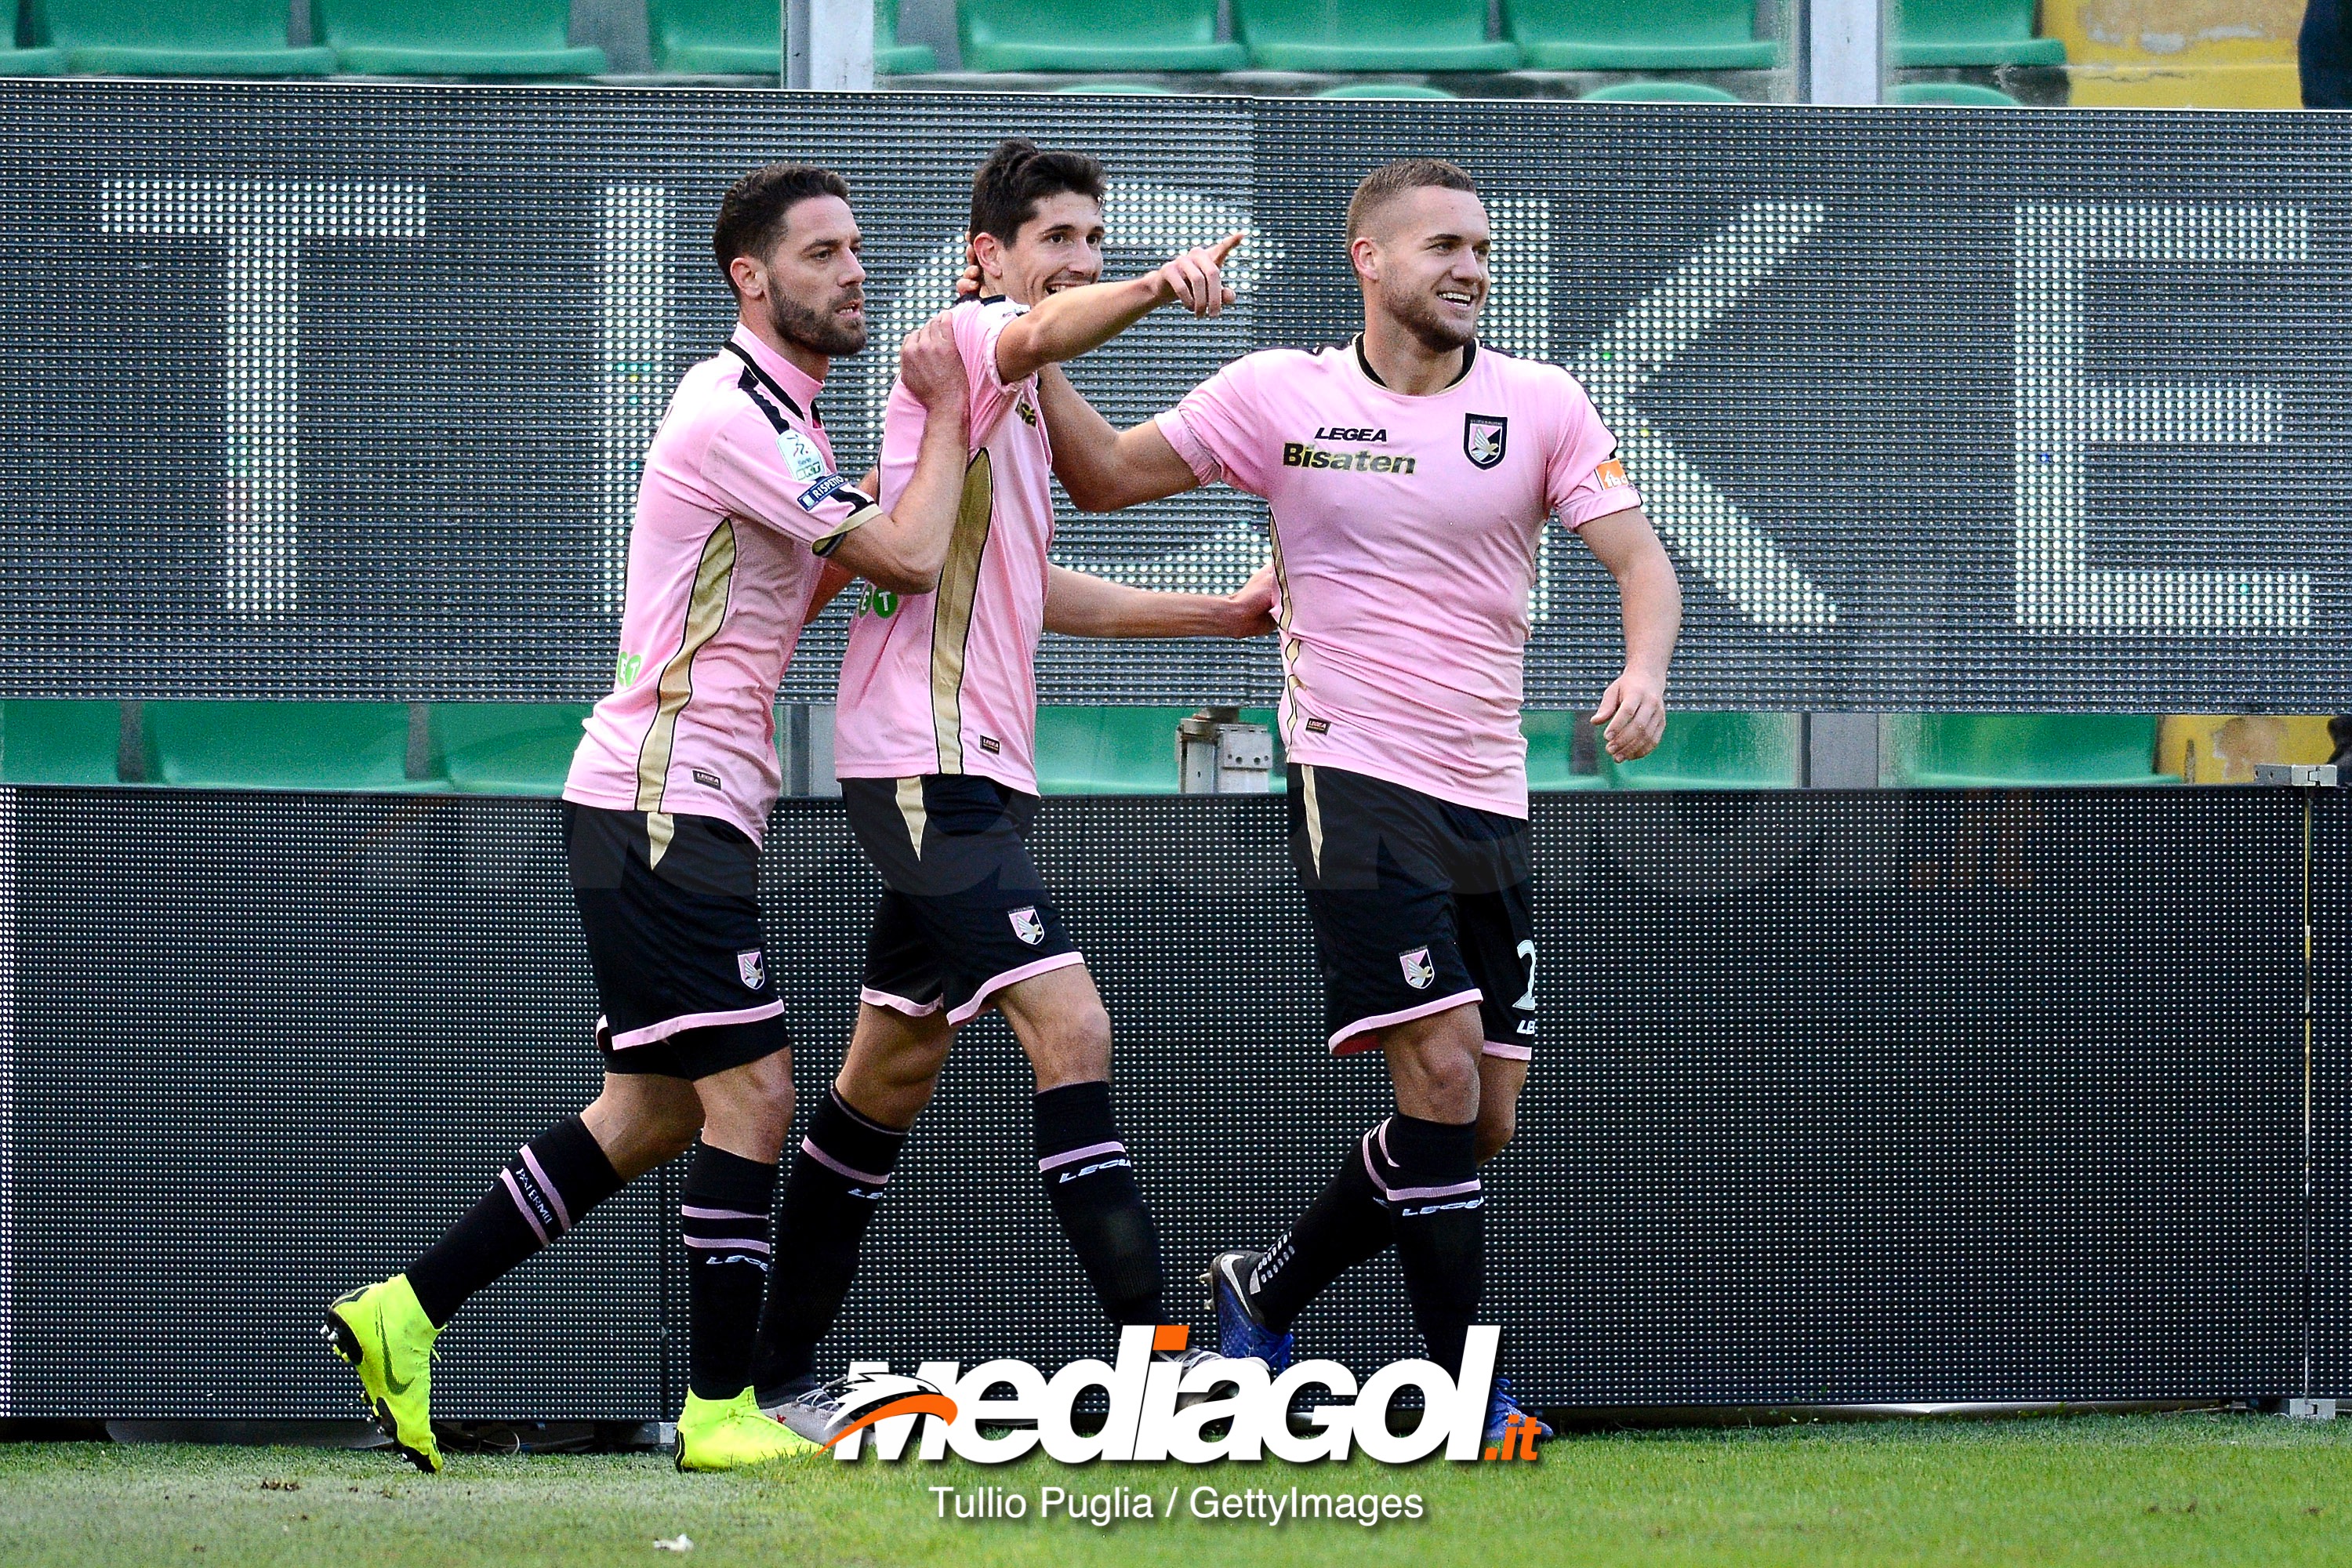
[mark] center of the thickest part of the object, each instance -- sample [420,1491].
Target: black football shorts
[963,912]
[1418,904]
[671,906]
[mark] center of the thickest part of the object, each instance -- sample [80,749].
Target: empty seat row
[525,748]
[523,38]
[1926,751]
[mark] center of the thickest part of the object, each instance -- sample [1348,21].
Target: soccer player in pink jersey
[933,746]
[1410,473]
[740,512]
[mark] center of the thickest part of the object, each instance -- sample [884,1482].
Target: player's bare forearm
[1064,325]
[1634,708]
[1103,468]
[903,549]
[1080,605]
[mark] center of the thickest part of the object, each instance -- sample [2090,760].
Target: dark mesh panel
[339,389]
[2331,1121]
[1841,1097]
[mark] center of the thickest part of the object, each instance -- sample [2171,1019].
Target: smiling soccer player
[1410,474]
[934,748]
[739,515]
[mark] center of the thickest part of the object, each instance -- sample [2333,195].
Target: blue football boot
[1240,1332]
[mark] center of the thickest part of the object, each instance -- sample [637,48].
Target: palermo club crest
[1482,438]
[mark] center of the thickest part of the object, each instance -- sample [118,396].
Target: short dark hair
[1018,175]
[1390,181]
[751,215]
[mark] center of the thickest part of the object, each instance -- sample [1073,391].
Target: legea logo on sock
[1146,1423]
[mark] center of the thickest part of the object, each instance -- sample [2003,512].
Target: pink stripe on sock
[1073,1157]
[741,1243]
[691,1212]
[539,1175]
[529,1218]
[838,1169]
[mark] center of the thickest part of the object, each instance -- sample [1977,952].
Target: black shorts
[1418,905]
[963,913]
[680,962]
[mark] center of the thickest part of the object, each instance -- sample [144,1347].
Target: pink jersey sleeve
[1582,478]
[976,332]
[1220,428]
[783,480]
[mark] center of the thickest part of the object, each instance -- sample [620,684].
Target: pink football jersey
[739,504]
[946,682]
[1404,546]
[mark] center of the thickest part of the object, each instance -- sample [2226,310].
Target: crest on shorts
[1482,438]
[752,967]
[1419,971]
[1026,925]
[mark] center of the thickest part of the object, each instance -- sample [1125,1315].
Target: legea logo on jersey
[1023,1410]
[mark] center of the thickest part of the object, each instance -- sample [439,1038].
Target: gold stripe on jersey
[1289,646]
[911,807]
[952,609]
[1314,814]
[706,612]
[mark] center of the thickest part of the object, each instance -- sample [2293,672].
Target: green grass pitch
[2172,1490]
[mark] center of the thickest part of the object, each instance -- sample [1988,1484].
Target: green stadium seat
[32,62]
[173,37]
[1638,35]
[1120,36]
[1385,90]
[746,37]
[506,748]
[1551,752]
[1957,94]
[1992,750]
[1970,33]
[1659,92]
[1371,35]
[281,745]
[59,742]
[1119,89]
[453,38]
[1716,751]
[1107,751]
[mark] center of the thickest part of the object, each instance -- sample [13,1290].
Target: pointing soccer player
[934,748]
[740,512]
[1410,473]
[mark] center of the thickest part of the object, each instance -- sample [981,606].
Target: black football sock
[831,1197]
[1441,1228]
[546,1189]
[1346,1224]
[1093,1189]
[723,1216]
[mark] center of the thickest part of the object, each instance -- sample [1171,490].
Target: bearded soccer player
[1410,474]
[935,734]
[739,514]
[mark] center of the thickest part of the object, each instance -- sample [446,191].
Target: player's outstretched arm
[1081,605]
[902,550]
[1063,326]
[1106,470]
[1633,709]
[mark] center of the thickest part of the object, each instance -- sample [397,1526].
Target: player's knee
[1078,1047]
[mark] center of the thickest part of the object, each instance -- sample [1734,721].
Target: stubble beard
[819,332]
[1419,316]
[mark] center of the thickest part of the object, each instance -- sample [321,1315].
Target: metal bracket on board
[2310,1409]
[2297,775]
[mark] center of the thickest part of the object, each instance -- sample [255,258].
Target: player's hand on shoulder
[1633,710]
[1253,604]
[1197,278]
[931,366]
